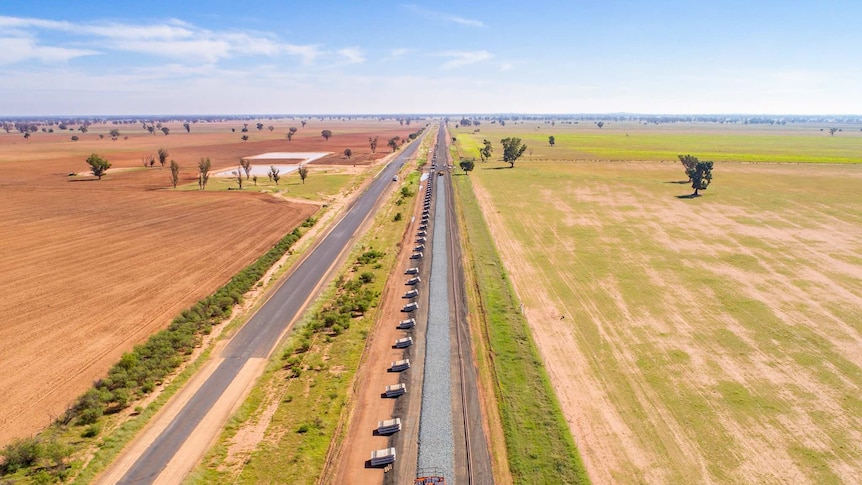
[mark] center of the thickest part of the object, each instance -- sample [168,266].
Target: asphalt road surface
[261,334]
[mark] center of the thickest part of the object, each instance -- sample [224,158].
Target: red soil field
[91,268]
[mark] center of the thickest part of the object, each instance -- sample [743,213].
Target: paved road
[261,334]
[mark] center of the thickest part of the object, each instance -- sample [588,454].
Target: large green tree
[688,163]
[467,165]
[551,140]
[512,150]
[326,134]
[98,165]
[700,176]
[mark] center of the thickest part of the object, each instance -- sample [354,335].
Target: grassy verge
[539,445]
[299,404]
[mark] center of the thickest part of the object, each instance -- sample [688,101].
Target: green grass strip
[539,444]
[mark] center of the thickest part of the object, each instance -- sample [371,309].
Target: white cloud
[352,55]
[308,53]
[506,66]
[17,49]
[464,21]
[444,16]
[173,39]
[464,58]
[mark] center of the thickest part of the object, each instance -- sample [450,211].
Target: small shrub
[366,277]
[22,453]
[397,217]
[369,257]
[303,428]
[92,431]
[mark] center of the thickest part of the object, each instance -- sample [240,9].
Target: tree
[27,136]
[270,128]
[82,129]
[303,173]
[393,142]
[600,124]
[244,137]
[163,156]
[512,150]
[175,173]
[832,131]
[700,176]
[188,127]
[292,130]
[486,150]
[98,165]
[551,140]
[239,178]
[348,153]
[115,133]
[75,138]
[254,179]
[204,172]
[373,143]
[326,134]
[166,130]
[246,166]
[289,135]
[467,165]
[152,130]
[259,126]
[689,162]
[273,174]
[303,122]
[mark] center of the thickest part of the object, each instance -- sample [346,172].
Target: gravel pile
[436,444]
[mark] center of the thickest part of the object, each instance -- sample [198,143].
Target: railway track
[451,438]
[456,279]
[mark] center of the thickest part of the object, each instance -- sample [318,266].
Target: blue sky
[233,57]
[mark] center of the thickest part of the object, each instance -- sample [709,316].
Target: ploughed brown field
[89,268]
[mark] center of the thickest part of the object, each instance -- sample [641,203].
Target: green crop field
[691,340]
[630,141]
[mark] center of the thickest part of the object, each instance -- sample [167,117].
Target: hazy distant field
[692,341]
[630,141]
